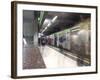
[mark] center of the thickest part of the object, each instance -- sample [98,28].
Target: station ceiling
[51,22]
[60,20]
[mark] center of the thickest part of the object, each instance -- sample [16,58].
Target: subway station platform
[45,57]
[56,39]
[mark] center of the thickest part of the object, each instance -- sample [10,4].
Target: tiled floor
[32,58]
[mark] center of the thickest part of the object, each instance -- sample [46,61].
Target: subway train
[76,39]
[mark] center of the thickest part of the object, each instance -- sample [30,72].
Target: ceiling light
[48,24]
[44,29]
[53,20]
[46,21]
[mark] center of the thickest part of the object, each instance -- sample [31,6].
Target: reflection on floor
[55,59]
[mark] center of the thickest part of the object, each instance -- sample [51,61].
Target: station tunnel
[56,39]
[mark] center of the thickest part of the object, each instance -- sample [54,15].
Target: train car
[63,39]
[60,39]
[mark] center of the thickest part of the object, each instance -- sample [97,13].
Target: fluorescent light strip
[53,20]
